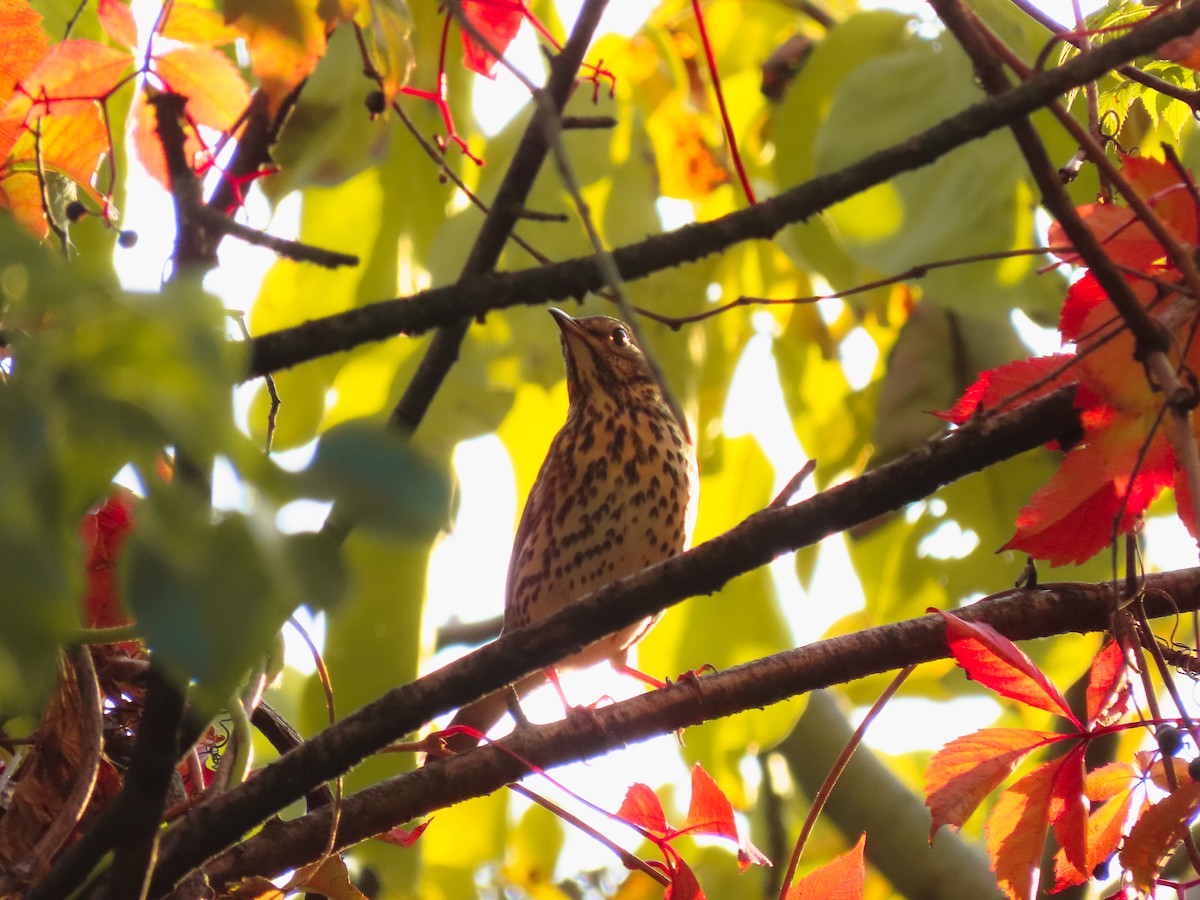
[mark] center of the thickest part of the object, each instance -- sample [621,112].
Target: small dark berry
[1100,873]
[1194,769]
[127,238]
[1168,739]
[75,211]
[376,103]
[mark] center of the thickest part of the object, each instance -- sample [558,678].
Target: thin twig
[843,760]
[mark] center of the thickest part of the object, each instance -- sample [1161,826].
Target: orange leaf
[24,43]
[73,71]
[1108,686]
[1157,832]
[969,768]
[997,663]
[710,811]
[1114,784]
[21,194]
[73,145]
[841,879]
[642,807]
[496,20]
[216,92]
[1016,832]
[286,39]
[118,22]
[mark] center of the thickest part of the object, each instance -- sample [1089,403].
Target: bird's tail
[484,713]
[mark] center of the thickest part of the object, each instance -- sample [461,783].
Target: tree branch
[703,570]
[573,278]
[1020,615]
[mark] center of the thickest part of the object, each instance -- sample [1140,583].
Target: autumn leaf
[217,94]
[1016,832]
[997,663]
[286,39]
[710,811]
[684,885]
[1108,686]
[404,837]
[1114,787]
[965,771]
[1068,812]
[200,26]
[642,807]
[24,42]
[72,74]
[117,20]
[1157,832]
[496,21]
[1124,459]
[842,878]
[103,531]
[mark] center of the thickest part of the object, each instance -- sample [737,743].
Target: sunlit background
[467,569]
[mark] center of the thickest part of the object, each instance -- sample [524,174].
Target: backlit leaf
[997,663]
[965,771]
[842,879]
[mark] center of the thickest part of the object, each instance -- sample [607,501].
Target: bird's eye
[620,337]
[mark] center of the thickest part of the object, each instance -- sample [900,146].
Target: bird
[616,493]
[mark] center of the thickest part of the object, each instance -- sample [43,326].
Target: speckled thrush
[616,493]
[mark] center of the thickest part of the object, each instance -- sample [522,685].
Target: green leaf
[379,481]
[201,592]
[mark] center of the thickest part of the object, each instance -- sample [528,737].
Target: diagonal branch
[1018,614]
[761,538]
[501,219]
[573,278]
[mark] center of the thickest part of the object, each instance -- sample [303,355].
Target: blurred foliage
[102,379]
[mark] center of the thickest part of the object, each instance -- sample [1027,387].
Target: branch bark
[1021,615]
[573,278]
[702,570]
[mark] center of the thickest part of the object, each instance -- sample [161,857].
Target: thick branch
[1021,615]
[576,277]
[702,570]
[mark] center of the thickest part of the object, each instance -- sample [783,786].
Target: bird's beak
[566,324]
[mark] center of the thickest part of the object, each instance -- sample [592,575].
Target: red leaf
[841,879]
[1016,832]
[404,837]
[997,663]
[117,20]
[969,768]
[1114,784]
[1108,686]
[103,531]
[1070,519]
[710,811]
[1069,808]
[1031,378]
[684,885]
[496,20]
[642,807]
